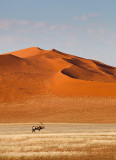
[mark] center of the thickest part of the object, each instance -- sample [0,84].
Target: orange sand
[34,72]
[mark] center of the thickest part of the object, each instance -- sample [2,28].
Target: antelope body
[34,128]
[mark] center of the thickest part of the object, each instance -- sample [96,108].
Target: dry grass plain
[58,142]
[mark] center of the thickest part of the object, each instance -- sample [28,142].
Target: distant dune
[34,72]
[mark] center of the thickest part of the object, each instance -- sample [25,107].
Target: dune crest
[28,52]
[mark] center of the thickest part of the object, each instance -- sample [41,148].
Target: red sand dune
[35,72]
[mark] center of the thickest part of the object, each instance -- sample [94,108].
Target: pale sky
[85,28]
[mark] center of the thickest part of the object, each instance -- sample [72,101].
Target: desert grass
[58,146]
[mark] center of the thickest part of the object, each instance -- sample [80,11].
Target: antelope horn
[41,123]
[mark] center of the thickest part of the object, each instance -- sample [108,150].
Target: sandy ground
[58,141]
[6,129]
[51,109]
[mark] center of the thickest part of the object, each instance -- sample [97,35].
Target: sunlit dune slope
[34,71]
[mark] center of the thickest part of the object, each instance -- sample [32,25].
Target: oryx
[38,127]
